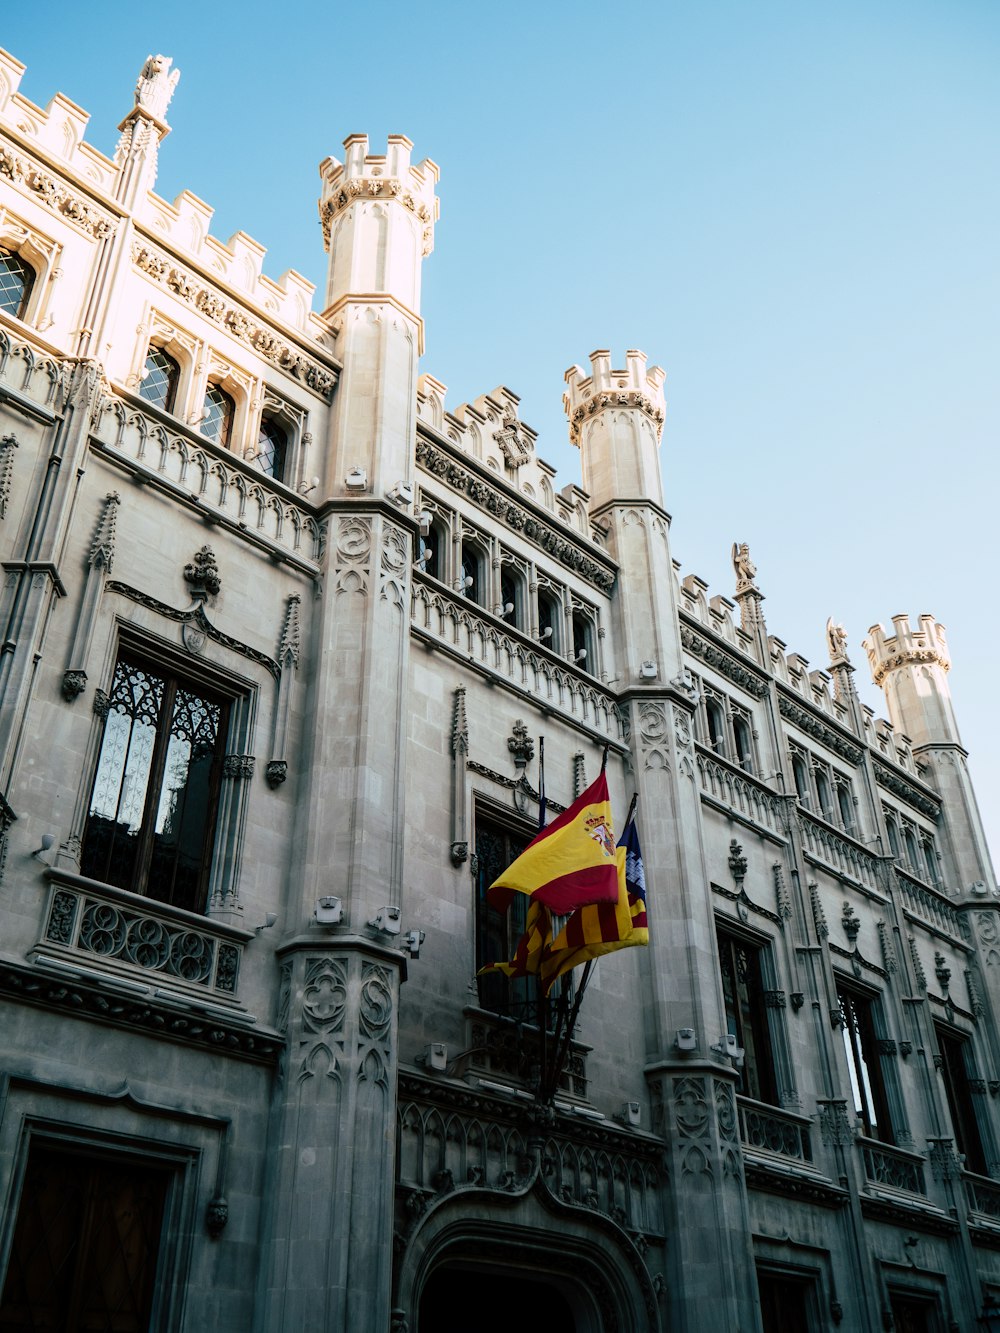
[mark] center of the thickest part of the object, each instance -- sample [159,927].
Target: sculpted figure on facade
[155,85]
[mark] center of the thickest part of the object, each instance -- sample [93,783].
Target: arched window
[16,278]
[583,646]
[549,615]
[432,550]
[801,776]
[893,832]
[823,794]
[716,719]
[159,379]
[910,843]
[846,806]
[473,584]
[272,446]
[511,595]
[220,409]
[743,737]
[930,859]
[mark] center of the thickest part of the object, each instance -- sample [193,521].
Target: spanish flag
[570,863]
[603,927]
[531,947]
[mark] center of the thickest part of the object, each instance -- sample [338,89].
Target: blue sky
[791,207]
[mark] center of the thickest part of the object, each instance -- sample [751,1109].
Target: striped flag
[601,928]
[569,864]
[531,947]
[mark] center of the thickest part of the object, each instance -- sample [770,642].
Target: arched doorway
[457,1297]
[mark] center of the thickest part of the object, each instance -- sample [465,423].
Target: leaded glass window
[272,444]
[16,278]
[497,933]
[152,808]
[746,1015]
[217,422]
[159,380]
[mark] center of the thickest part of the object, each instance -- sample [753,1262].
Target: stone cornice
[465,475]
[238,318]
[921,798]
[87,1000]
[793,1184]
[702,644]
[72,202]
[809,719]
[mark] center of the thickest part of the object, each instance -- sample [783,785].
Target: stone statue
[745,568]
[836,638]
[155,85]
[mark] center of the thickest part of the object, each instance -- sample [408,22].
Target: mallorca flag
[530,950]
[568,864]
[603,927]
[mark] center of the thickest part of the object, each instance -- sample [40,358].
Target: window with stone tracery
[160,377]
[152,810]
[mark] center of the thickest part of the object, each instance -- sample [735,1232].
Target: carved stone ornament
[73,683]
[942,971]
[202,574]
[8,444]
[459,853]
[521,745]
[737,862]
[744,567]
[216,1216]
[851,922]
[836,640]
[276,772]
[511,441]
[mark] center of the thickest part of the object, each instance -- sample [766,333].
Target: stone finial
[744,567]
[155,85]
[907,647]
[520,744]
[102,550]
[459,724]
[635,386]
[202,574]
[836,642]
[291,636]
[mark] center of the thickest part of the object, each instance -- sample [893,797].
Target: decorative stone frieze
[928,803]
[792,710]
[81,212]
[560,546]
[8,443]
[724,662]
[165,271]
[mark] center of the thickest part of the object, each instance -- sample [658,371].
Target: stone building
[281,631]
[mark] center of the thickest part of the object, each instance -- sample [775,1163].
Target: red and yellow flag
[569,864]
[601,928]
[530,950]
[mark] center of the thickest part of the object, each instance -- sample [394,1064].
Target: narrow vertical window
[716,720]
[272,445]
[510,595]
[583,646]
[217,423]
[159,379]
[743,737]
[955,1070]
[801,776]
[471,577]
[16,279]
[746,1016]
[548,620]
[863,1069]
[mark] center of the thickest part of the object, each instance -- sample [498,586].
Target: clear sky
[790,206]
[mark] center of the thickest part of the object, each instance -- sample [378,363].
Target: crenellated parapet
[378,212]
[907,647]
[603,388]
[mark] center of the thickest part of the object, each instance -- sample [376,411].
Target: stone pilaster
[329,1251]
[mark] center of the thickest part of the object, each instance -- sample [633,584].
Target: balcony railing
[98,924]
[983,1195]
[743,794]
[768,1129]
[839,852]
[892,1168]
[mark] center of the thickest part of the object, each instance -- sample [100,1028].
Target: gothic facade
[281,632]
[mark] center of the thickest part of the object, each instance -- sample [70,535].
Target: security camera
[329,911]
[387,919]
[686,1039]
[401,493]
[414,939]
[356,479]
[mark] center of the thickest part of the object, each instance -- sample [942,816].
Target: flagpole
[566,1033]
[541,998]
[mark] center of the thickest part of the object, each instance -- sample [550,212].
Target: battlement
[907,647]
[635,386]
[384,176]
